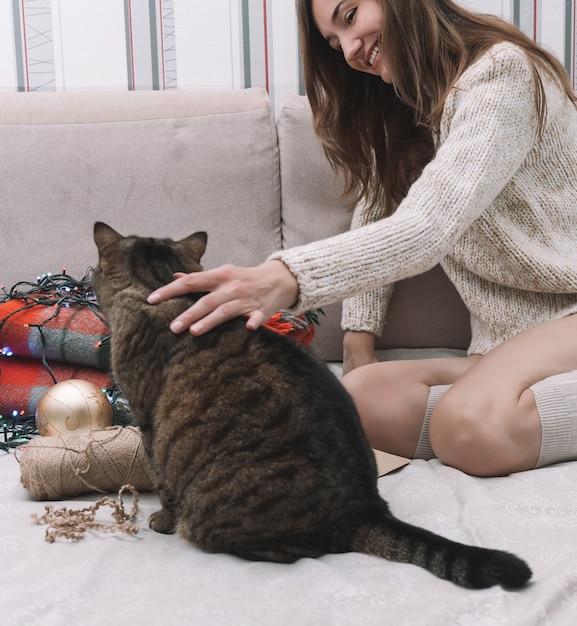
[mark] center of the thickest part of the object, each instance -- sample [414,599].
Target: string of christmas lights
[57,291]
[17,430]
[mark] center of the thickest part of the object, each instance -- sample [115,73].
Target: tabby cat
[256,447]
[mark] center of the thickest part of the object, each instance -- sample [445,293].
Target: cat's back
[257,399]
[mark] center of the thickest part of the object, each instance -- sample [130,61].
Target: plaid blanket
[59,333]
[24,381]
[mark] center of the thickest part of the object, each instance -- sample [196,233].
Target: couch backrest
[170,163]
[148,163]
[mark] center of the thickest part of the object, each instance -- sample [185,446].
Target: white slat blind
[194,44]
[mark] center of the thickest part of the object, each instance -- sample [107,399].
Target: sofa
[254,177]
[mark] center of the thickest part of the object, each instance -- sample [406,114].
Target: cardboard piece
[387,463]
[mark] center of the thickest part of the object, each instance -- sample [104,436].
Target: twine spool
[101,461]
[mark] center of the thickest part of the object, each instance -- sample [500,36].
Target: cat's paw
[162,522]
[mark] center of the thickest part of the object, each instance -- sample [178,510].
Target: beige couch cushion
[150,163]
[425,311]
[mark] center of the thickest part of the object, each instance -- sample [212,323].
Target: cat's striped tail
[468,566]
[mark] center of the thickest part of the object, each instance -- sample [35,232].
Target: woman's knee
[356,382]
[391,407]
[458,435]
[371,393]
[476,435]
[380,390]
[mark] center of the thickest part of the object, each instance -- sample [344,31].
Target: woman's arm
[491,128]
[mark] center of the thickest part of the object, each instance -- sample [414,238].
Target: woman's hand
[358,350]
[253,292]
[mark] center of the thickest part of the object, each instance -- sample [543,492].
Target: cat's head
[142,262]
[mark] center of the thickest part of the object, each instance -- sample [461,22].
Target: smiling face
[353,26]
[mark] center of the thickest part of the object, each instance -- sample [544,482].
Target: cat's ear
[195,244]
[103,234]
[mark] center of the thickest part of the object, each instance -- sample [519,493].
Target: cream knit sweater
[497,207]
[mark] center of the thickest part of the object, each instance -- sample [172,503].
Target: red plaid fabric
[24,381]
[71,336]
[297,327]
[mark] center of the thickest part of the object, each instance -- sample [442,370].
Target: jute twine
[54,468]
[73,524]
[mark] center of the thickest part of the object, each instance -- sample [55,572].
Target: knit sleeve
[366,311]
[490,126]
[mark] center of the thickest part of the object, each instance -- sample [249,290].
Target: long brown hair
[379,136]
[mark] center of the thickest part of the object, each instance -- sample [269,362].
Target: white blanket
[108,579]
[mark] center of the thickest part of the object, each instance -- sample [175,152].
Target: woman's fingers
[211,310]
[183,284]
[255,293]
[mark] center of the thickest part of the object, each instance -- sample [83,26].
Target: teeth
[373,56]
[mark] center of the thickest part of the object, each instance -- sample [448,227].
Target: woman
[457,136]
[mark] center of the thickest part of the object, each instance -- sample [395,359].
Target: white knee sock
[556,399]
[424,449]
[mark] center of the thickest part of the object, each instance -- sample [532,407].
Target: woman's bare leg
[391,398]
[487,423]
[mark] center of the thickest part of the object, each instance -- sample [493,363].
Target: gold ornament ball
[73,407]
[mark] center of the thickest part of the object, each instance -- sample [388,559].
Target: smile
[373,56]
